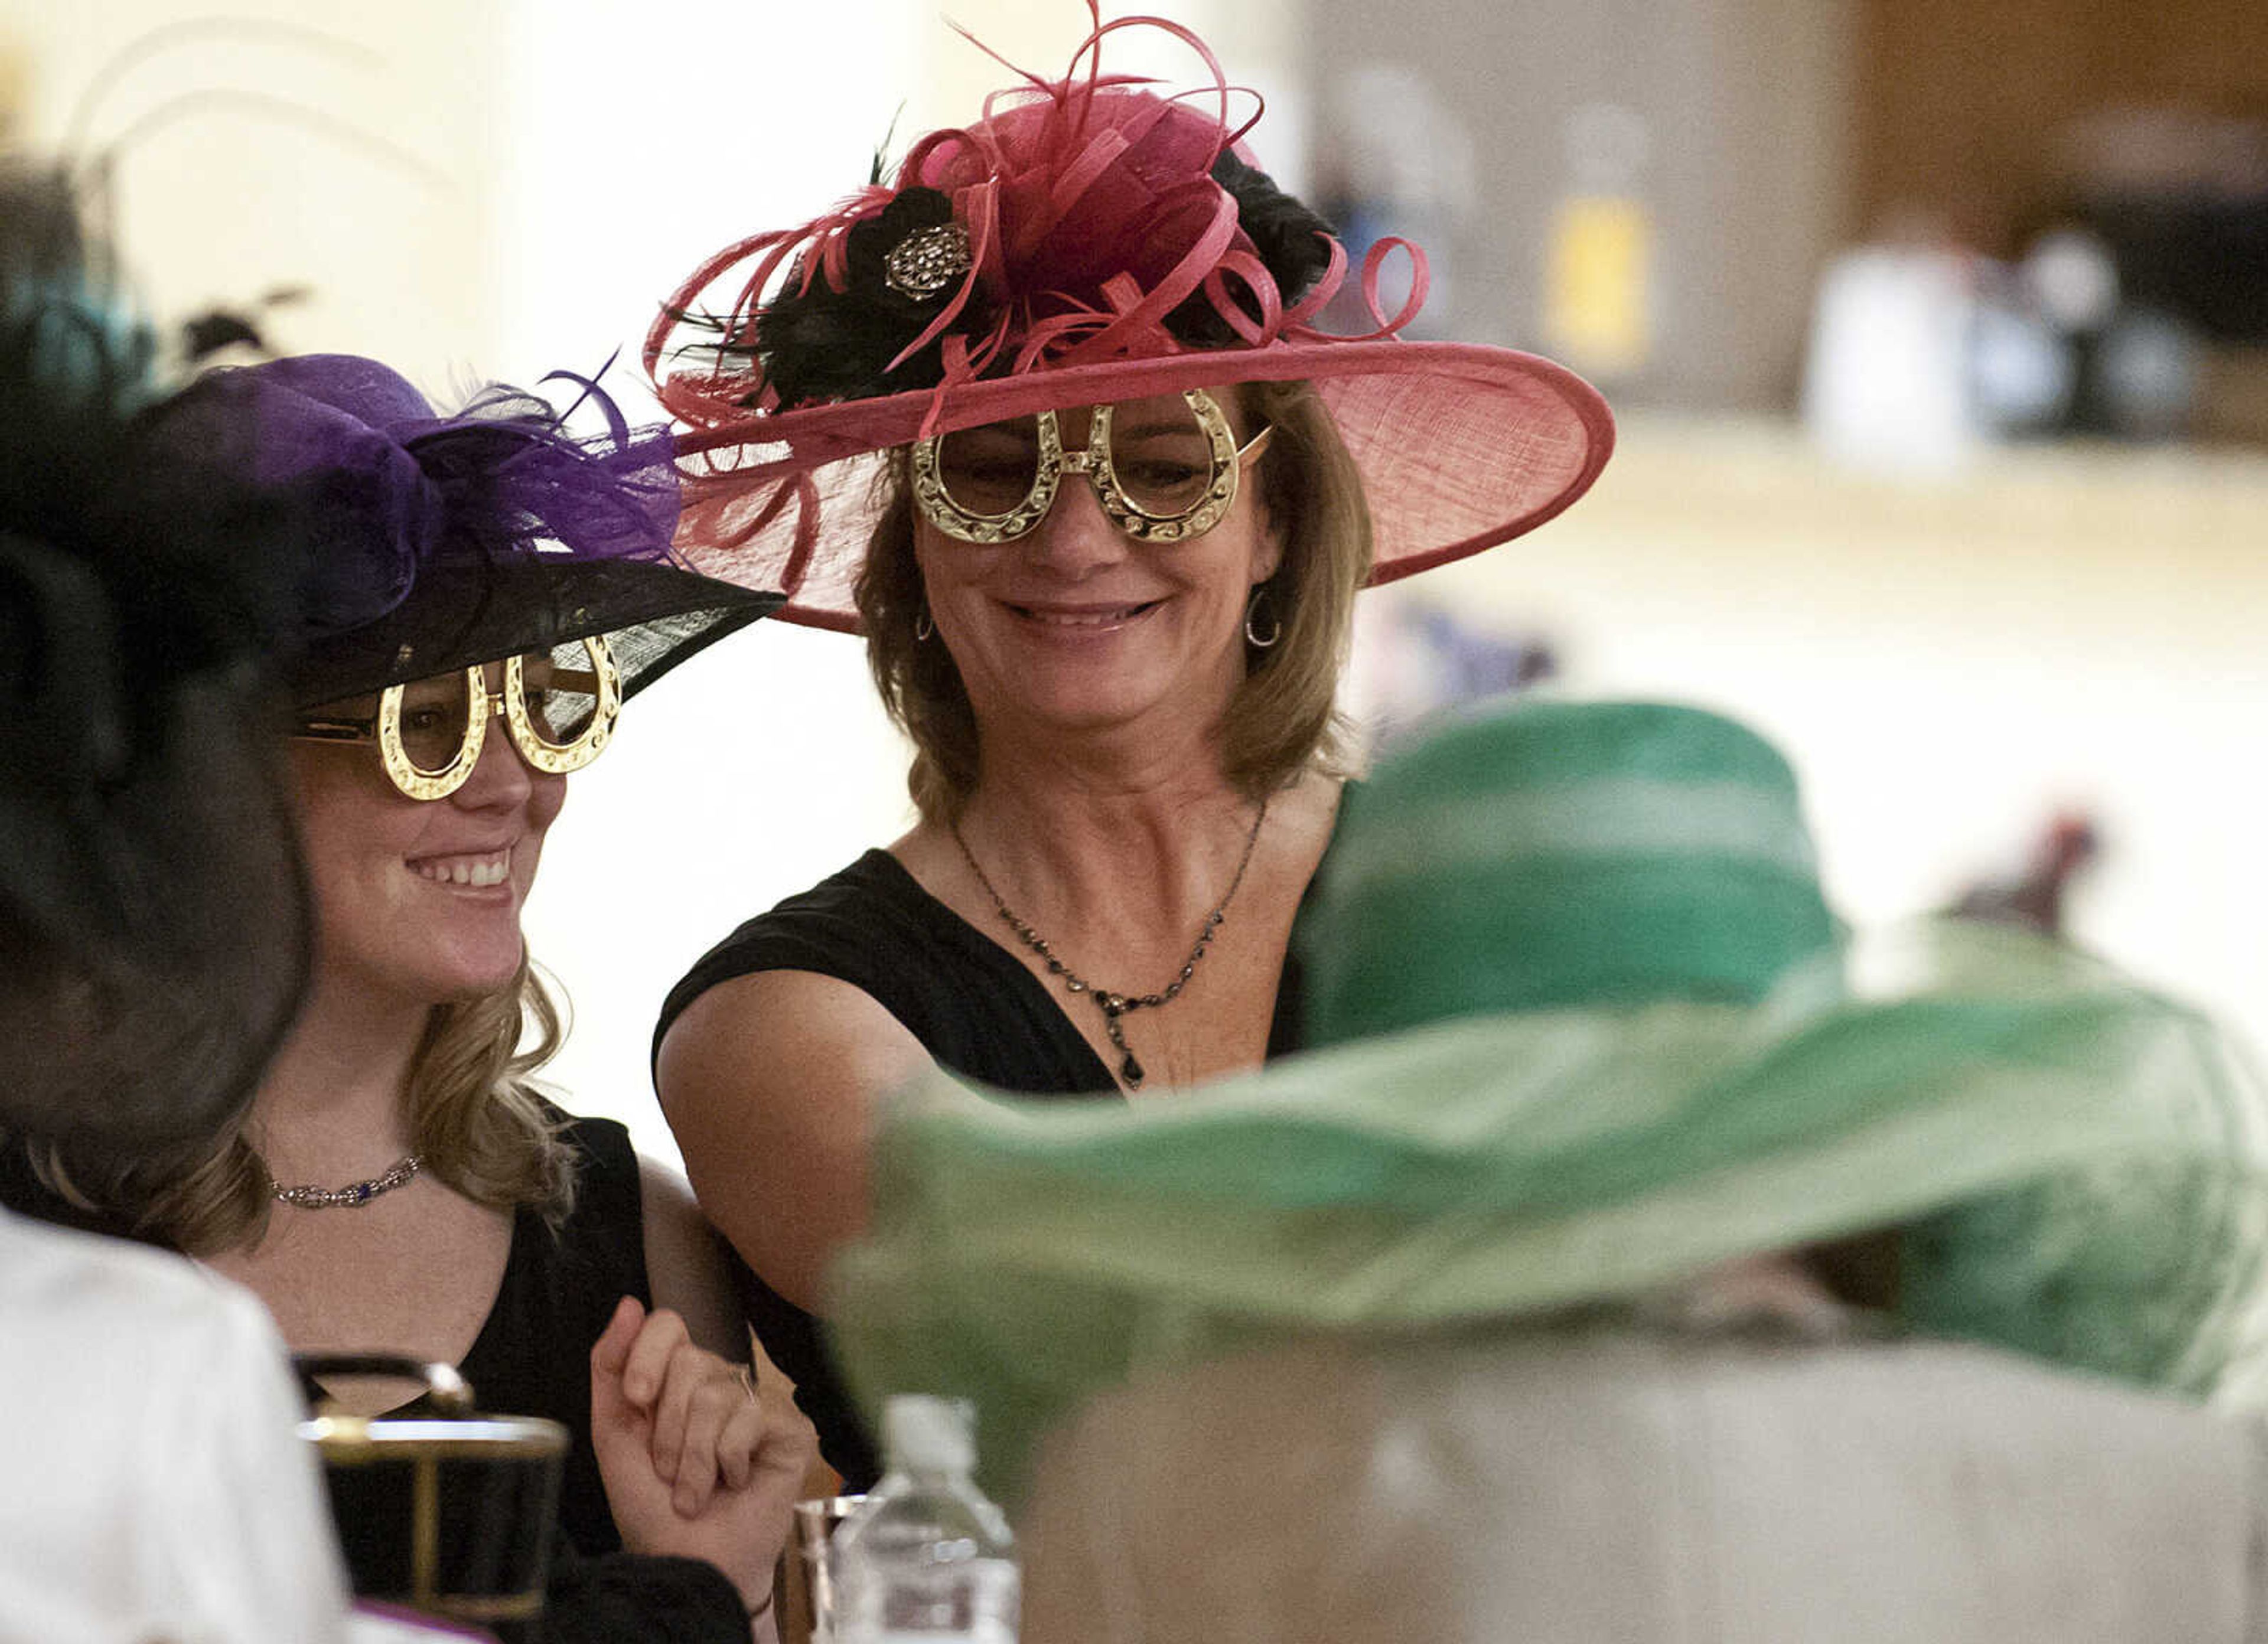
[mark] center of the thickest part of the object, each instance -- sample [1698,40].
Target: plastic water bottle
[928,1560]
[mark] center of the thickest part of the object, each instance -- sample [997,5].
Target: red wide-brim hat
[1088,241]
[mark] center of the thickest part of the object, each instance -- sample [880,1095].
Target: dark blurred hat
[153,923]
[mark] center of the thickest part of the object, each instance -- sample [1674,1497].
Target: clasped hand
[694,1463]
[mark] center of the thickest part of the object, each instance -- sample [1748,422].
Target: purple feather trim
[398,485]
[511,478]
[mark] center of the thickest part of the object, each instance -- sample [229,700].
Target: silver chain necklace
[399,1174]
[1115,1005]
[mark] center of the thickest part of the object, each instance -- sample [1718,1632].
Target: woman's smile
[475,871]
[1059,618]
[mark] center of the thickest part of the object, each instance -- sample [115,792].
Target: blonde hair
[1282,718]
[474,1121]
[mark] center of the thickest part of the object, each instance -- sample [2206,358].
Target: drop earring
[1260,609]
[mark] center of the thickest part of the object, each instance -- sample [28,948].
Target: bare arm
[684,1266]
[768,1082]
[697,1461]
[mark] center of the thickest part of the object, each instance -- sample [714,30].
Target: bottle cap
[926,1434]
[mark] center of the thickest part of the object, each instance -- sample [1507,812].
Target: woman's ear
[1267,553]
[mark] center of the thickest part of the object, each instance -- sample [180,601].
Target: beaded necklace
[1115,1005]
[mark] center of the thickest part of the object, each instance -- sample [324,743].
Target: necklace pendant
[1112,1005]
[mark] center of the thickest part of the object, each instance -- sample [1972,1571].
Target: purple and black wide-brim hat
[445,542]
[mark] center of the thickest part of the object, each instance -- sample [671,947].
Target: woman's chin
[1082,699]
[466,974]
[389,985]
[485,987]
[489,974]
[479,952]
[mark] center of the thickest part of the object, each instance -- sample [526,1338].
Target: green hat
[1588,1028]
[1564,854]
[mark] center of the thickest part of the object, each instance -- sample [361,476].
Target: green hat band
[1552,855]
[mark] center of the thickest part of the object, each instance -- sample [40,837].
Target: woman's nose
[1077,538]
[500,777]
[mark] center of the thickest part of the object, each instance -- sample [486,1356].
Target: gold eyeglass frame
[1228,460]
[603,683]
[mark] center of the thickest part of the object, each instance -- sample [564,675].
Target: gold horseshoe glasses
[429,733]
[1165,469]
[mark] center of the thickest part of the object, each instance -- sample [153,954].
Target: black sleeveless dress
[973,1006]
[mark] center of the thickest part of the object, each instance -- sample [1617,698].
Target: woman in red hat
[1047,420]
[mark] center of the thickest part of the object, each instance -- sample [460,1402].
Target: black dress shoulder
[973,1006]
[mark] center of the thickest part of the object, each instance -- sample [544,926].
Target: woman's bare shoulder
[1302,816]
[775,1028]
[1312,800]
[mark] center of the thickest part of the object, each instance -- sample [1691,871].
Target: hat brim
[2077,1164]
[465,613]
[1460,447]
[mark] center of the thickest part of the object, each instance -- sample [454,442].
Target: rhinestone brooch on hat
[927,262]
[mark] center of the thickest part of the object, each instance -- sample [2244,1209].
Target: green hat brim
[2074,1163]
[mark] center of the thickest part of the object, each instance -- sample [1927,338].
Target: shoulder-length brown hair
[1281,719]
[475,1123]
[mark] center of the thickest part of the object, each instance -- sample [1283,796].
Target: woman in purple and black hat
[1047,419]
[484,591]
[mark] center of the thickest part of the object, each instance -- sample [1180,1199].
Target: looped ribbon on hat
[1070,191]
[501,478]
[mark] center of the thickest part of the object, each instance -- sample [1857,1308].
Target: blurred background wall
[1981,544]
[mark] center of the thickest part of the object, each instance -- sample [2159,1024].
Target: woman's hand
[693,1464]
